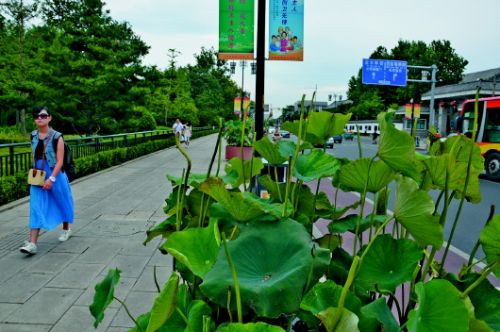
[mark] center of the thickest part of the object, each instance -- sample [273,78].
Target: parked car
[349,136]
[285,134]
[332,140]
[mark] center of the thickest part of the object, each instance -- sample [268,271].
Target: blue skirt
[50,208]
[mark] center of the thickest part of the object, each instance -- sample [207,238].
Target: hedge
[15,187]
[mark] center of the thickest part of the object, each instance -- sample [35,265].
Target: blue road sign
[384,72]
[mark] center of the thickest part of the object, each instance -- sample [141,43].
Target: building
[449,98]
[318,106]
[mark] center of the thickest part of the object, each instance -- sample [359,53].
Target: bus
[488,135]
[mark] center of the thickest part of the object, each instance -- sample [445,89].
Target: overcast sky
[337,36]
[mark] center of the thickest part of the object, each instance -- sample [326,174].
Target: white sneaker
[65,235]
[28,248]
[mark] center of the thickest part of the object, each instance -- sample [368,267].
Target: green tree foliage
[439,52]
[87,67]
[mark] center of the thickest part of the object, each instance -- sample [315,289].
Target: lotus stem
[361,210]
[276,181]
[350,278]
[178,207]
[359,142]
[291,161]
[184,318]
[483,276]
[242,142]
[156,279]
[128,313]
[235,280]
[228,304]
[219,161]
[219,136]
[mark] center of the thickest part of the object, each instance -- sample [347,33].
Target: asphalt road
[473,216]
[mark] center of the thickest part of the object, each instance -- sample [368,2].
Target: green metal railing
[18,161]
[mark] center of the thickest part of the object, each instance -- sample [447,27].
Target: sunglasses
[41,116]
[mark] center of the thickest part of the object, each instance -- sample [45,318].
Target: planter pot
[234,151]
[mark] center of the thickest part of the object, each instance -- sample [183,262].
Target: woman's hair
[38,109]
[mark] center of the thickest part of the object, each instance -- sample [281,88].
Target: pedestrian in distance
[188,131]
[178,127]
[52,203]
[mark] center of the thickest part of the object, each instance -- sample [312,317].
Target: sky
[337,36]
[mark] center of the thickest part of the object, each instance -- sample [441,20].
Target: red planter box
[234,151]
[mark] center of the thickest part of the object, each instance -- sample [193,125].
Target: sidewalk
[52,290]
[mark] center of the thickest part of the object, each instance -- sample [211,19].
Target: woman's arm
[59,163]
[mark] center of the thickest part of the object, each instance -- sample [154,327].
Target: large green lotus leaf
[459,147]
[388,263]
[193,202]
[327,294]
[315,165]
[379,311]
[197,248]
[348,223]
[272,262]
[143,321]
[188,315]
[319,127]
[287,148]
[353,176]
[249,327]
[294,127]
[396,148]
[413,208]
[241,209]
[194,179]
[104,294]
[439,308]
[323,125]
[330,242]
[236,168]
[490,240]
[272,209]
[485,298]
[164,304]
[269,151]
[194,313]
[348,321]
[164,228]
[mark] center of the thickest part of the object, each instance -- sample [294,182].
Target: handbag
[36,177]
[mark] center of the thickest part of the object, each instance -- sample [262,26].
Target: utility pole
[259,82]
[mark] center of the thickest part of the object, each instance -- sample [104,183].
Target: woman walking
[188,131]
[52,203]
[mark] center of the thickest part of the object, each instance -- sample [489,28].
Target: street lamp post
[243,64]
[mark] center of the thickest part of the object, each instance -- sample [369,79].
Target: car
[349,136]
[285,134]
[332,140]
[337,139]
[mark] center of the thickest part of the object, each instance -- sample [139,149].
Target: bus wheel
[492,166]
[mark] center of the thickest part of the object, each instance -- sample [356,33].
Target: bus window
[468,118]
[492,126]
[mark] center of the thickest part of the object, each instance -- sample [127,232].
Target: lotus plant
[244,263]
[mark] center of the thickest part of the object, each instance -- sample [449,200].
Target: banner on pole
[416,111]
[236,29]
[237,105]
[286,30]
